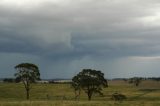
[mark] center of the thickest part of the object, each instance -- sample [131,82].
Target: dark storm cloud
[118,44]
[80,33]
[51,24]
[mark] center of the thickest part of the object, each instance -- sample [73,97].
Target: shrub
[118,97]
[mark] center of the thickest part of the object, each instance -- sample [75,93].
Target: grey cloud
[80,31]
[118,44]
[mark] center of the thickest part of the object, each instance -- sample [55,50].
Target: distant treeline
[143,78]
[154,78]
[16,80]
[11,80]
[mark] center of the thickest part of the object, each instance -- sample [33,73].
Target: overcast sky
[119,37]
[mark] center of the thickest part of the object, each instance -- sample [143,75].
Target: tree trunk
[27,94]
[77,95]
[89,95]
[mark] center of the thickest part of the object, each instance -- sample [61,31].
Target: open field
[80,103]
[147,94]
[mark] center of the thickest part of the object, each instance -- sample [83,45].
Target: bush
[118,97]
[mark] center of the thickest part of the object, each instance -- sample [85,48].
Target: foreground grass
[80,103]
[147,94]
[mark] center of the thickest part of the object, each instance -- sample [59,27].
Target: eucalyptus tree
[27,73]
[90,81]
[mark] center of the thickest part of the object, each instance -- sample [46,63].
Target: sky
[119,37]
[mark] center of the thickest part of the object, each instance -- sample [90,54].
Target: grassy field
[147,94]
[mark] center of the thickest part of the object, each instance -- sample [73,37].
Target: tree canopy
[91,81]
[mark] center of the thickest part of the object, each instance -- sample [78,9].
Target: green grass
[147,94]
[80,103]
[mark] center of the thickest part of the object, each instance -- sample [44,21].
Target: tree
[28,73]
[91,81]
[136,81]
